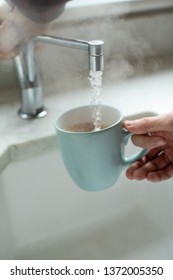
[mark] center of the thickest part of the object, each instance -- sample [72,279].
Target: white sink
[44,215]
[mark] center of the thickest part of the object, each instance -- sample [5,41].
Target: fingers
[149,142]
[143,126]
[136,170]
[130,172]
[153,167]
[161,175]
[155,134]
[149,124]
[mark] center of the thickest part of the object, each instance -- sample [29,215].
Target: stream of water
[96,84]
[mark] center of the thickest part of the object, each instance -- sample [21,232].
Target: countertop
[22,139]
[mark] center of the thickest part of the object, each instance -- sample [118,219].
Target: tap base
[40,113]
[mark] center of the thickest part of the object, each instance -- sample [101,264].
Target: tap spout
[28,76]
[94,48]
[96,55]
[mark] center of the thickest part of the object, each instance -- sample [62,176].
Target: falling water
[96,83]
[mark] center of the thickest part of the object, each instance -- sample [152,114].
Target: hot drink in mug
[94,158]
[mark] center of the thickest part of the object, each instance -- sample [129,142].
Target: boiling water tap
[30,85]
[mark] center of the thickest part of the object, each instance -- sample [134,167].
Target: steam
[128,52]
[125,49]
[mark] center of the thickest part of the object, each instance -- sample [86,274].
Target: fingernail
[128,123]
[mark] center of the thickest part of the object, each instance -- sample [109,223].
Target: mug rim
[87,132]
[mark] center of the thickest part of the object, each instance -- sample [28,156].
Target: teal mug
[94,158]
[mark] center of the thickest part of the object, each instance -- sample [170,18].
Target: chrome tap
[30,85]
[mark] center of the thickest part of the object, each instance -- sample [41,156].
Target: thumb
[147,124]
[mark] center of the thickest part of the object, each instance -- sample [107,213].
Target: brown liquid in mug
[85,127]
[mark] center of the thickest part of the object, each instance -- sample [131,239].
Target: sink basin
[44,215]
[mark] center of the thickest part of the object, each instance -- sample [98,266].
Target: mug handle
[129,160]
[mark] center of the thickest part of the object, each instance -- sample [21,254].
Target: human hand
[156,134]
